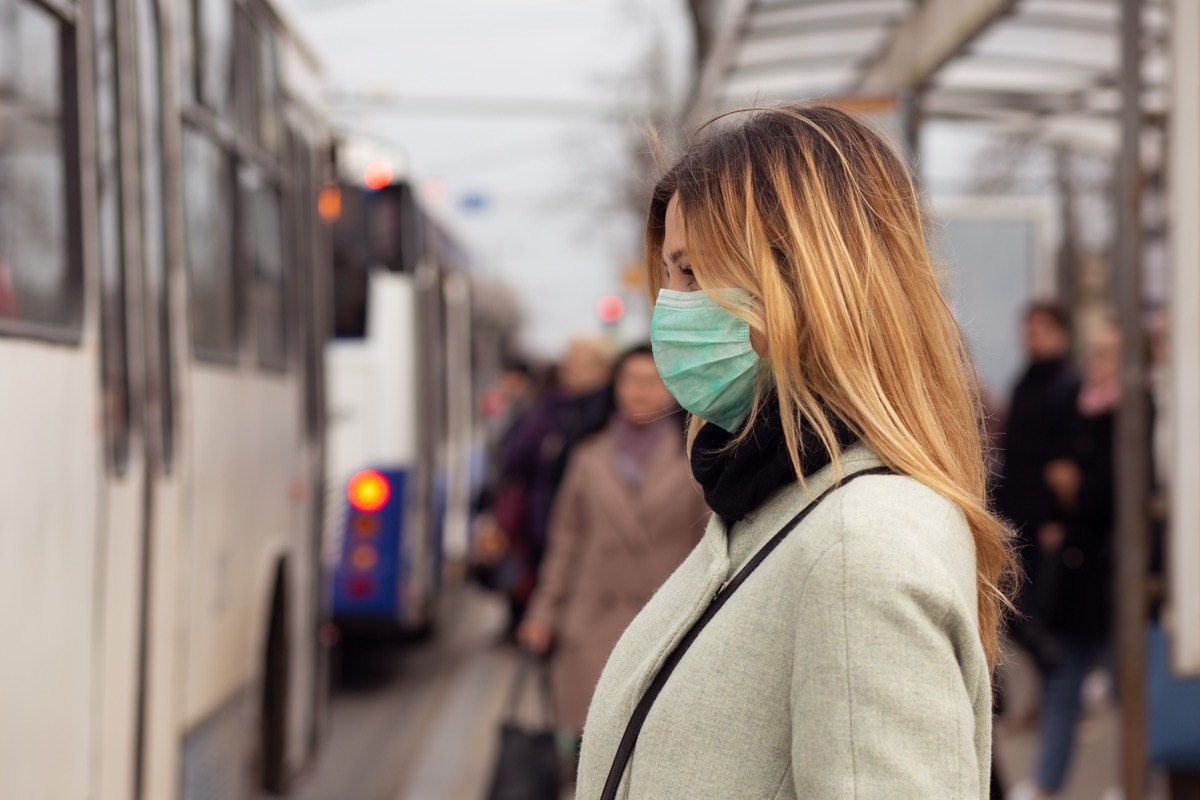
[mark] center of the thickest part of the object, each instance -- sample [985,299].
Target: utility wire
[518,107]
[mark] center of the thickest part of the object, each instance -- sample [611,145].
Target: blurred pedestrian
[1075,596]
[798,318]
[502,406]
[535,457]
[627,513]
[1039,417]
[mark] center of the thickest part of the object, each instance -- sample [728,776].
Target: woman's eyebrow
[676,256]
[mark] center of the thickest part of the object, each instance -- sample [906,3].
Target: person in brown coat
[627,514]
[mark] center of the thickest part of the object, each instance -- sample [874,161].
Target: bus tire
[273,728]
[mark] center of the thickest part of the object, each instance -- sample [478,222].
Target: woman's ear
[758,341]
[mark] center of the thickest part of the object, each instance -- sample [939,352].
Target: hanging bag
[1173,706]
[527,764]
[634,727]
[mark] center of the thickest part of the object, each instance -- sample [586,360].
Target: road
[419,721]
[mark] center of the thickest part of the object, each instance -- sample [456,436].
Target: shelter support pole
[1068,249]
[1133,439]
[909,107]
[1183,471]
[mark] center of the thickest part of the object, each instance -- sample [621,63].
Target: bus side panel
[246,462]
[49,474]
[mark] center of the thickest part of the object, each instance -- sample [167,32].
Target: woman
[798,318]
[627,514]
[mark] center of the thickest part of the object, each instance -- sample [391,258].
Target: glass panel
[1088,50]
[208,221]
[837,46]
[185,48]
[351,256]
[38,281]
[216,54]
[258,86]
[154,239]
[110,244]
[262,242]
[270,129]
[766,19]
[246,66]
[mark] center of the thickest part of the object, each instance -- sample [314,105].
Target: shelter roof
[1045,66]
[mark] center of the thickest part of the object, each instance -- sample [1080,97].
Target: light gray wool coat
[847,666]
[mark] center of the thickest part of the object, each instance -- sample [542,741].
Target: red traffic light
[610,308]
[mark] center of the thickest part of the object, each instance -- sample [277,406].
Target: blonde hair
[598,348]
[813,212]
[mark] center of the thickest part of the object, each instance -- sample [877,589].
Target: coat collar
[667,474]
[733,545]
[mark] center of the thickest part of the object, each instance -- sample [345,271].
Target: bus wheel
[274,695]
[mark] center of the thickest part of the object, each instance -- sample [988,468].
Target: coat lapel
[635,508]
[621,499]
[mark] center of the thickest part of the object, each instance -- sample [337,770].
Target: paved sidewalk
[1094,772]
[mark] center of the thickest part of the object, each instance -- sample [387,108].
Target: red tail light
[364,557]
[368,491]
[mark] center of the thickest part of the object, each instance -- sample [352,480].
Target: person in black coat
[1035,436]
[1074,592]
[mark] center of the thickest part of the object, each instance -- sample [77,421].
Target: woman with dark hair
[626,515]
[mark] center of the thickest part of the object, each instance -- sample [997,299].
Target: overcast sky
[545,164]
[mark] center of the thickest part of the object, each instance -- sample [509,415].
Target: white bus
[404,370]
[161,423]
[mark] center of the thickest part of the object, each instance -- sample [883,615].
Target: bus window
[41,280]
[212,274]
[184,41]
[262,252]
[214,46]
[351,258]
[269,122]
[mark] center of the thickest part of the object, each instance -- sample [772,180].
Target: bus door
[308,252]
[131,194]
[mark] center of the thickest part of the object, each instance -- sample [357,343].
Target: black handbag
[527,764]
[634,726]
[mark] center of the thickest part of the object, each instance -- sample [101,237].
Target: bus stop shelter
[1119,79]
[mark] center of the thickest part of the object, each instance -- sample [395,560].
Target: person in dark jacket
[1035,436]
[1075,591]
[535,457]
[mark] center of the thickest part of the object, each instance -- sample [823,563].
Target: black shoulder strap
[634,727]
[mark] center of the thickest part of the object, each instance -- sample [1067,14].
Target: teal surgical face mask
[704,356]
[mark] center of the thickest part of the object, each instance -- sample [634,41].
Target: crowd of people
[594,500]
[591,504]
[1056,488]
